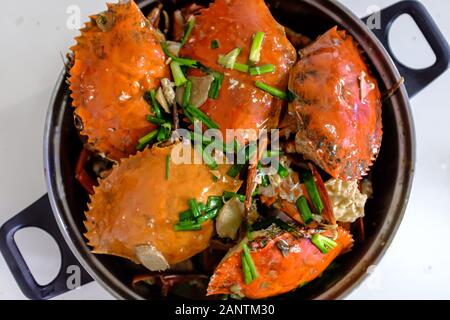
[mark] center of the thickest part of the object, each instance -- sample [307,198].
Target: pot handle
[415,79]
[70,276]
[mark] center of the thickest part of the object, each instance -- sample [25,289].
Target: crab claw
[133,211]
[283,262]
[117,59]
[337,106]
[232,24]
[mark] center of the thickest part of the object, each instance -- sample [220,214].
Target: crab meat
[232,23]
[133,211]
[337,106]
[117,59]
[283,262]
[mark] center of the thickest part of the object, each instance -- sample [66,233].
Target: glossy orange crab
[337,106]
[117,59]
[232,24]
[283,263]
[131,218]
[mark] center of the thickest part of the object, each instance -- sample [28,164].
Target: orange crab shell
[277,273]
[112,71]
[241,105]
[337,106]
[136,205]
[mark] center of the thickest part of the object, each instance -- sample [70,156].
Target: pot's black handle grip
[415,80]
[71,274]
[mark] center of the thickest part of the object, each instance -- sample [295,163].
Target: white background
[33,33]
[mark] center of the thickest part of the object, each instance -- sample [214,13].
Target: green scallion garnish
[167,167]
[150,98]
[209,215]
[323,243]
[246,270]
[155,120]
[185,215]
[227,195]
[305,211]
[164,132]
[228,60]
[187,93]
[255,51]
[311,187]
[188,227]
[216,85]
[182,61]
[190,26]
[265,181]
[256,71]
[177,73]
[213,202]
[199,115]
[250,261]
[209,160]
[282,171]
[195,209]
[214,44]
[271,90]
[145,140]
[241,67]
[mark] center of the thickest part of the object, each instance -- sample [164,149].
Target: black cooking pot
[61,211]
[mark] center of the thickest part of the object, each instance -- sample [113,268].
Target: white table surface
[33,33]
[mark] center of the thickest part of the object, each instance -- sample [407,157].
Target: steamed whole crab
[147,91]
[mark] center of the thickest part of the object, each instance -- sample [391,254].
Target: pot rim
[341,288]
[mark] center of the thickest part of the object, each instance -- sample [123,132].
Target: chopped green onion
[255,51]
[145,140]
[164,132]
[190,26]
[155,120]
[227,195]
[273,91]
[305,211]
[215,85]
[250,262]
[323,243]
[241,67]
[182,61]
[198,114]
[272,153]
[228,60]
[311,186]
[187,93]
[188,227]
[167,167]
[213,202]
[246,270]
[214,44]
[202,207]
[212,164]
[209,215]
[150,98]
[265,181]
[282,171]
[185,215]
[177,73]
[235,170]
[193,205]
[256,71]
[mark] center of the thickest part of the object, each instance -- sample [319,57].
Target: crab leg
[80,172]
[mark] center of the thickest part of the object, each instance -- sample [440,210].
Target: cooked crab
[232,24]
[117,59]
[337,106]
[130,217]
